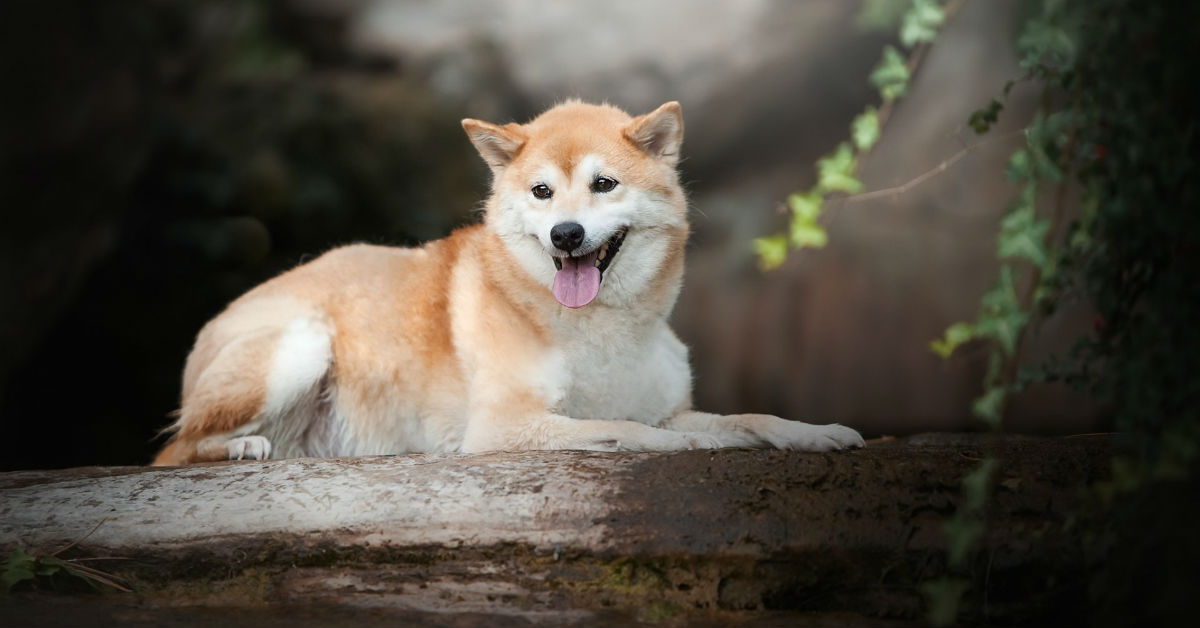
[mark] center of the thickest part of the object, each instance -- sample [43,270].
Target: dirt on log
[724,537]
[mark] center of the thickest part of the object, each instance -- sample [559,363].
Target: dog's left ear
[658,133]
[498,145]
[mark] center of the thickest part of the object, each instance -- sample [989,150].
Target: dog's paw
[832,437]
[249,448]
[784,434]
[701,440]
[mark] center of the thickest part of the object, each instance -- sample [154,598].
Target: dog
[543,327]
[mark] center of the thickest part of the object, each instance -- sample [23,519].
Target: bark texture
[743,537]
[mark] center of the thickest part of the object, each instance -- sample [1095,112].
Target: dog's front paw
[785,434]
[701,440]
[832,437]
[249,448]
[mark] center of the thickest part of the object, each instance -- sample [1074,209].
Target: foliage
[836,172]
[24,569]
[1133,249]
[1116,129]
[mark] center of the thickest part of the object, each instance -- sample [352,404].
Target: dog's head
[588,201]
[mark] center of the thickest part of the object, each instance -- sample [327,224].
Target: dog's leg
[507,431]
[764,430]
[566,433]
[256,376]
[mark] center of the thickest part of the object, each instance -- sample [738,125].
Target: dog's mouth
[577,281]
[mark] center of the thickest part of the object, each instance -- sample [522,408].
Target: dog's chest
[614,375]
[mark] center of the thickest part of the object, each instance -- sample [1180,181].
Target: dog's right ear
[498,145]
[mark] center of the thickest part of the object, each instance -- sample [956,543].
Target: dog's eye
[542,191]
[603,184]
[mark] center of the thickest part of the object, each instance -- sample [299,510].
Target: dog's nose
[567,236]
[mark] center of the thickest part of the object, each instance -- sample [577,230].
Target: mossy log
[730,537]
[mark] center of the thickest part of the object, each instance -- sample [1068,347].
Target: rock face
[728,537]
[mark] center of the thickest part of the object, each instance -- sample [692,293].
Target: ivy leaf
[921,22]
[1003,327]
[804,230]
[987,406]
[1023,234]
[835,172]
[1045,45]
[956,335]
[1045,138]
[1001,317]
[807,206]
[1019,169]
[890,76]
[808,234]
[865,129]
[981,120]
[771,251]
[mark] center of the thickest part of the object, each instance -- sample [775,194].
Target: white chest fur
[618,372]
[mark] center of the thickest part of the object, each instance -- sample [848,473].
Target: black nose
[567,236]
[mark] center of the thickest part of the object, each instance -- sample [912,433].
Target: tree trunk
[713,537]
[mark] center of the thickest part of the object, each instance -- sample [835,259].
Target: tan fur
[460,345]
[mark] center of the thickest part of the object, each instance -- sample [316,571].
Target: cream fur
[460,345]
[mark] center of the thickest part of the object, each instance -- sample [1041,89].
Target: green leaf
[1001,317]
[805,234]
[1046,137]
[771,251]
[988,405]
[1019,169]
[1003,327]
[19,568]
[865,129]
[835,172]
[1044,45]
[956,335]
[921,22]
[807,206]
[1023,234]
[890,76]
[944,595]
[982,119]
[804,230]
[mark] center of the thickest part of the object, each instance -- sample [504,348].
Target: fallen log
[728,537]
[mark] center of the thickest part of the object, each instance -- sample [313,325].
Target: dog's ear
[658,133]
[498,145]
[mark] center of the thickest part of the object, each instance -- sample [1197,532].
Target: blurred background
[157,159]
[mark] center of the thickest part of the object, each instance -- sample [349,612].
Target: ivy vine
[1116,129]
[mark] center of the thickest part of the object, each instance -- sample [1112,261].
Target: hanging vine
[1105,210]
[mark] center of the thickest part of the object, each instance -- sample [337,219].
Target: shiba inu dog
[544,327]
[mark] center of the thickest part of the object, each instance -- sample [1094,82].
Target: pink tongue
[578,282]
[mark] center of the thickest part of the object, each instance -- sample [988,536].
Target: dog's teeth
[597,262]
[602,253]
